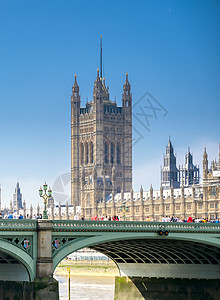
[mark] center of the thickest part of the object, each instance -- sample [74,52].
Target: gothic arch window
[91,152]
[118,153]
[86,151]
[112,152]
[88,202]
[118,189]
[81,153]
[106,153]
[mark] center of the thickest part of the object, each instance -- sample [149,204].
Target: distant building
[170,175]
[199,200]
[189,173]
[50,202]
[101,146]
[17,198]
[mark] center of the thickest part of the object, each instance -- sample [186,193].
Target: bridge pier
[44,285]
[44,289]
[167,289]
[44,264]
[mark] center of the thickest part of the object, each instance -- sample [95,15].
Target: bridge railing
[73,225]
[26,225]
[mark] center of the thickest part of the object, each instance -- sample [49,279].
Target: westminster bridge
[30,250]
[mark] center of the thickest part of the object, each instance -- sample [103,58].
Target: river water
[87,287]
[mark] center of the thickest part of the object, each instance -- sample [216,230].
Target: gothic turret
[151,191]
[170,173]
[17,197]
[141,192]
[75,88]
[161,191]
[127,96]
[189,173]
[105,91]
[205,164]
[75,113]
[75,98]
[97,88]
[101,135]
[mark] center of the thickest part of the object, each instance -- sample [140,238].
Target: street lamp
[68,269]
[124,209]
[43,193]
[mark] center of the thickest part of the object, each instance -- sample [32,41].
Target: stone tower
[17,197]
[205,164]
[189,173]
[101,146]
[170,173]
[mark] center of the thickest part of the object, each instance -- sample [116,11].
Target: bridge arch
[134,254]
[16,265]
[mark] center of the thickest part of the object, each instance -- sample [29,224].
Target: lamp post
[45,196]
[124,209]
[68,269]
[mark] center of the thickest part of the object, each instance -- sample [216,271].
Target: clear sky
[171,49]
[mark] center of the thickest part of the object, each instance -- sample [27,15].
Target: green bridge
[30,250]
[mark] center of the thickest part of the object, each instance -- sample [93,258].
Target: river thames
[87,287]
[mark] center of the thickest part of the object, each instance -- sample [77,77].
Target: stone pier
[166,289]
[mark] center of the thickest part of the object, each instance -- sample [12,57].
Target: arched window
[88,203]
[112,152]
[86,153]
[106,153]
[91,152]
[81,153]
[118,153]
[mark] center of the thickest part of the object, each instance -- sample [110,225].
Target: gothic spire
[205,164]
[75,88]
[98,83]
[101,59]
[127,86]
[127,96]
[169,146]
[205,153]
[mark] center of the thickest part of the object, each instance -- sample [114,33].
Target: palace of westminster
[101,166]
[101,169]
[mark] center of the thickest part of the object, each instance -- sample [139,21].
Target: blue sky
[169,48]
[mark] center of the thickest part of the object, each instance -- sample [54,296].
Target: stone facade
[17,198]
[187,175]
[198,201]
[170,175]
[101,147]
[101,166]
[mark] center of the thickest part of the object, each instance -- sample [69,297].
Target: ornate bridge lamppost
[124,208]
[45,196]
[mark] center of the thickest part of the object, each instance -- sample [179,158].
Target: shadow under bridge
[145,249]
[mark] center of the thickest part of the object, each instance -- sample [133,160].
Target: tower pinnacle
[101,59]
[75,88]
[127,86]
[97,84]
[127,96]
[205,164]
